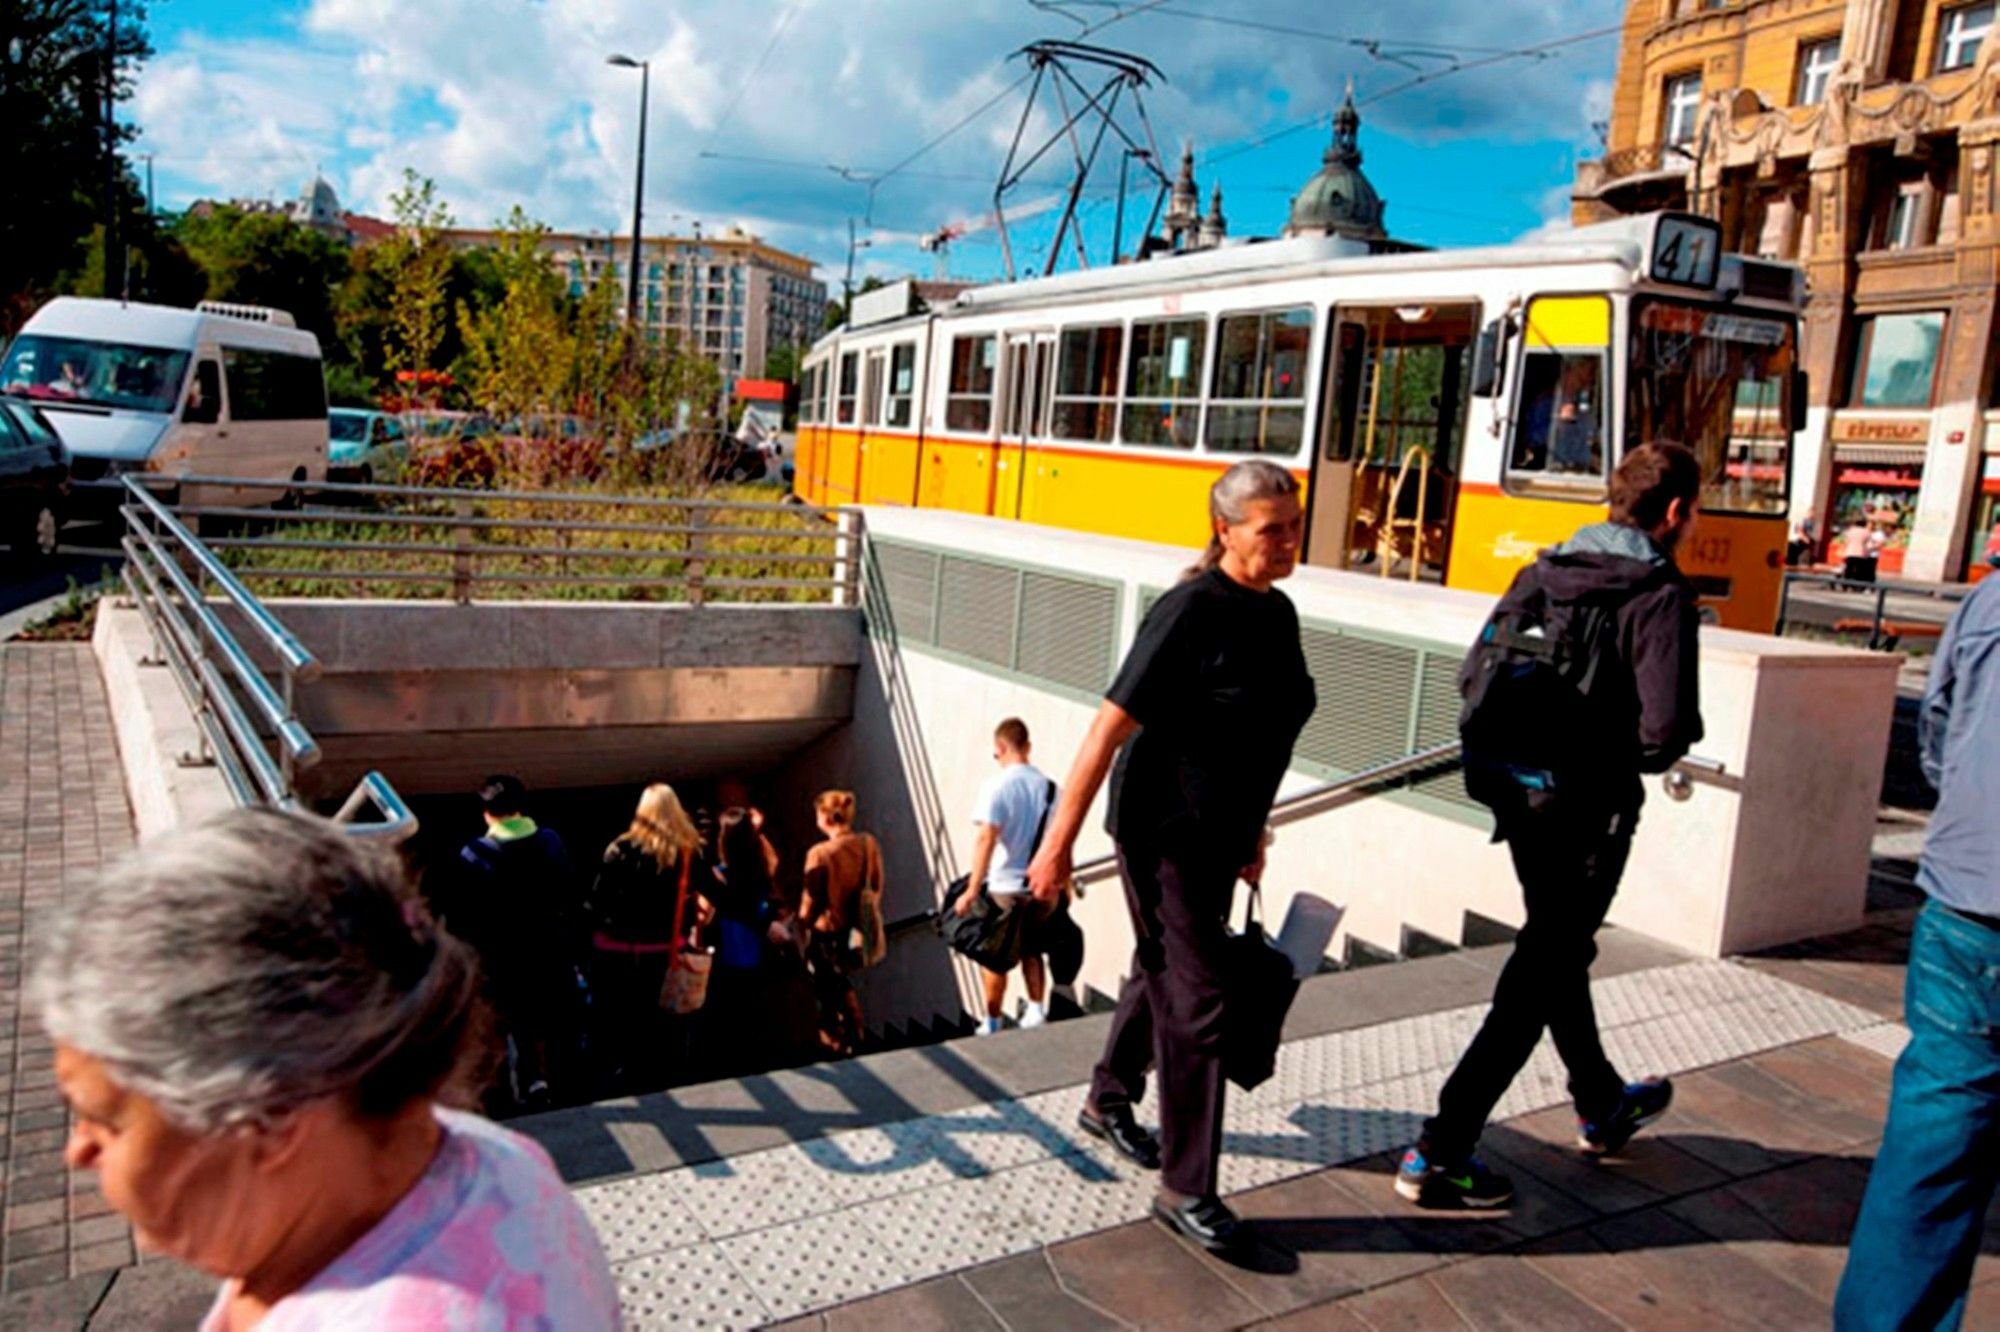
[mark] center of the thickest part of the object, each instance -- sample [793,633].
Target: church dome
[1338,200]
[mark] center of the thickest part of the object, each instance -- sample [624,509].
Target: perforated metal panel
[1068,631]
[1366,691]
[909,579]
[977,610]
[1437,724]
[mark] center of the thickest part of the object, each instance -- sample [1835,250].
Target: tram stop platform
[948,1187]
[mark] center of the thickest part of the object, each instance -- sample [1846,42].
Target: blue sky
[509,101]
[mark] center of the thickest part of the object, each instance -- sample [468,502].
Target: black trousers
[1170,1010]
[1569,869]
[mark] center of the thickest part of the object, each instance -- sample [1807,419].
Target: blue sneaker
[1642,1103]
[1467,1183]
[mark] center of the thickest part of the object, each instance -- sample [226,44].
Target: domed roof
[1338,200]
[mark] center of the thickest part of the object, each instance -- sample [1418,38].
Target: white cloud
[510,101]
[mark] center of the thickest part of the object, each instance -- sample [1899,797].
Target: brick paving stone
[1723,1215]
[943,1304]
[1025,1292]
[34,1243]
[1148,1277]
[1647,1269]
[100,1257]
[1415,1305]
[45,1270]
[1342,1241]
[27,1216]
[98,1229]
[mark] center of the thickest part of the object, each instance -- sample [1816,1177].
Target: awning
[1897,455]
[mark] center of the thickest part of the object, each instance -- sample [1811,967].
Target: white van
[219,390]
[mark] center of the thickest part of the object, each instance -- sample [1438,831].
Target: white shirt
[1012,801]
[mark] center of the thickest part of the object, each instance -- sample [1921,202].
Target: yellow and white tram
[1450,412]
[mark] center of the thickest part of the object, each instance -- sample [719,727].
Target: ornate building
[1182,226]
[1338,200]
[1857,139]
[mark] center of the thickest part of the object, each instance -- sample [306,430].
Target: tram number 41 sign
[1685,252]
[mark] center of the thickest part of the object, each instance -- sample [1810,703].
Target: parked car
[34,481]
[362,444]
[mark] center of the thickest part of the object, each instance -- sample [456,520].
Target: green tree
[520,353]
[56,62]
[782,363]
[417,263]
[268,259]
[365,319]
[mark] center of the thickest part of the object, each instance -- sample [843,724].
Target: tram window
[1163,383]
[1257,403]
[806,377]
[871,390]
[968,403]
[1086,401]
[843,406]
[1559,431]
[902,382]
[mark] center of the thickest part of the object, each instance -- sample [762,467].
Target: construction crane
[938,243]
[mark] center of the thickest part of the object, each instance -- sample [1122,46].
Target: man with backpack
[1583,678]
[509,896]
[1010,813]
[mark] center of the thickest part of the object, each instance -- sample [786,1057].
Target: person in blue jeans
[1925,1209]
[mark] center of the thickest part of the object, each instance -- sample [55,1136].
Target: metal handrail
[1317,800]
[1881,589]
[398,822]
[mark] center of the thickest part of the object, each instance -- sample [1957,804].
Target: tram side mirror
[1489,360]
[1798,421]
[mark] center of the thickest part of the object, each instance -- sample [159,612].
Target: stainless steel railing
[248,726]
[466,542]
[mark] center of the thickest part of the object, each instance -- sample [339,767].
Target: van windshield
[97,374]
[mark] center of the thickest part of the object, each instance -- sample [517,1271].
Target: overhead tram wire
[1540,50]
[742,89]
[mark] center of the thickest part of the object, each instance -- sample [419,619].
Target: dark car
[34,481]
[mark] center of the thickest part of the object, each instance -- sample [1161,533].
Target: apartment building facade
[1856,138]
[731,296]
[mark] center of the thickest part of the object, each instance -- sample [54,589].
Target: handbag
[1258,988]
[684,989]
[874,945]
[995,938]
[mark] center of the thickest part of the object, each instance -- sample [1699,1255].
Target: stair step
[1420,943]
[1361,953]
[1480,931]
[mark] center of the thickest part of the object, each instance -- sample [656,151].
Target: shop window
[1895,362]
[1680,107]
[902,382]
[1163,383]
[1257,400]
[1817,61]
[1961,32]
[968,402]
[843,403]
[1086,401]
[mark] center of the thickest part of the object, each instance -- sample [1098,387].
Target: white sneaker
[1034,1015]
[987,1026]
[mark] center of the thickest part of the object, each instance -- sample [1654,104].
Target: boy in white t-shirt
[1010,809]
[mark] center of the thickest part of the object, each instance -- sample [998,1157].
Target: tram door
[1387,465]
[1026,364]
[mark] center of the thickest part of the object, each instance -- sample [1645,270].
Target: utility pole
[113,281]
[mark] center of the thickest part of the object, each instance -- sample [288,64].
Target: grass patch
[584,549]
[73,618]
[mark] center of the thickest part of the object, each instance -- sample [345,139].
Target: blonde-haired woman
[836,871]
[639,901]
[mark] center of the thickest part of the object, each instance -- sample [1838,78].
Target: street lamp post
[847,283]
[639,185]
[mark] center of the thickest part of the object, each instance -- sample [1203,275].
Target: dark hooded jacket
[1653,704]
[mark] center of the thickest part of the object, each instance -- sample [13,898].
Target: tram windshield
[1720,382]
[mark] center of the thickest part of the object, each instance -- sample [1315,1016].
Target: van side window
[204,399]
[273,386]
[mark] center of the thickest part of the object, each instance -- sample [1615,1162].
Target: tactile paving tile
[1884,1038]
[692,1287]
[807,1226]
[635,1216]
[805,1265]
[753,1192]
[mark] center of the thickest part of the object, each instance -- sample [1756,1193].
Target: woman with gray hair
[257,1031]
[1218,682]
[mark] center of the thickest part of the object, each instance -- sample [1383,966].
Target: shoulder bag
[1258,988]
[685,988]
[874,945]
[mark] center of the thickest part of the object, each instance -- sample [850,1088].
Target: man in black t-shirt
[1570,840]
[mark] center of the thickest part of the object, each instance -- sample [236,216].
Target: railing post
[849,549]
[1784,604]
[461,554]
[1875,632]
[286,768]
[697,546]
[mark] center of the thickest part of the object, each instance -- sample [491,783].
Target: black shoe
[1204,1221]
[1122,1131]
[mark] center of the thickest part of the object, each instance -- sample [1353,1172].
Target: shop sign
[1848,429]
[1909,478]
